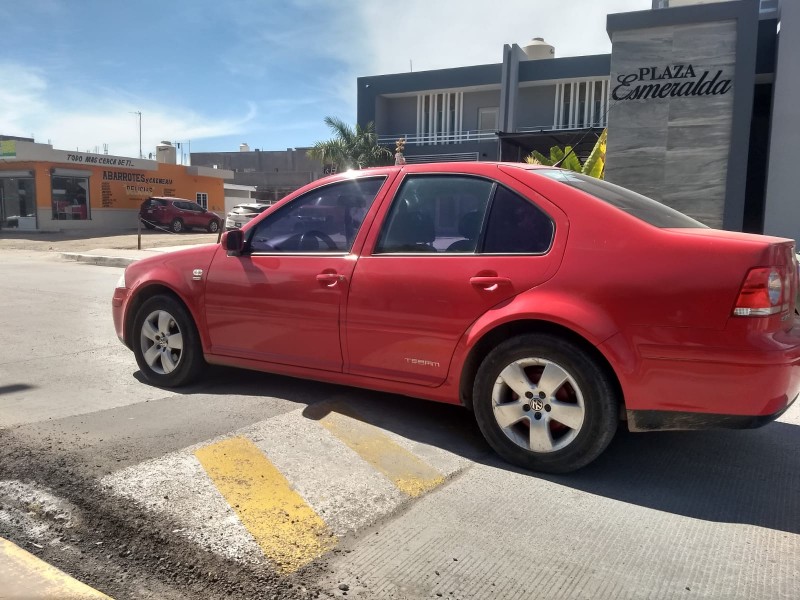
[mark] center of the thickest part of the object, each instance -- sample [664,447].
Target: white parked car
[242,213]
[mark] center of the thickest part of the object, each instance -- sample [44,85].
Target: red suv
[177,214]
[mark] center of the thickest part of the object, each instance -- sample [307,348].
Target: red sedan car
[551,304]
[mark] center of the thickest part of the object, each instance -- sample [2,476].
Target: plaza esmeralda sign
[669,82]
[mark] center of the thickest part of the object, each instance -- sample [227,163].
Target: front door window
[325,220]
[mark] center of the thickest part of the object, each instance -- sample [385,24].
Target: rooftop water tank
[166,153]
[538,49]
[243,147]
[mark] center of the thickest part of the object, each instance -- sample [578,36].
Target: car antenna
[590,130]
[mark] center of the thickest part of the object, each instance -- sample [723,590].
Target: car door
[280,300]
[450,247]
[195,216]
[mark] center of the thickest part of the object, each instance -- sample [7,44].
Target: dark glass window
[641,207]
[435,213]
[326,219]
[516,226]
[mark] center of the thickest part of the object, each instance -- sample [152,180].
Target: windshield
[641,207]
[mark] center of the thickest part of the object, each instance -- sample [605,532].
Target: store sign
[126,189]
[673,81]
[8,148]
[30,151]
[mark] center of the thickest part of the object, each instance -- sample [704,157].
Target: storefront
[47,189]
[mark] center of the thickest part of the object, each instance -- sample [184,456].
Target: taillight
[764,292]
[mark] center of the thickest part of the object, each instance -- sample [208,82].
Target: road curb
[104,261]
[23,575]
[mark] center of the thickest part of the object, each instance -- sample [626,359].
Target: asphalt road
[135,490]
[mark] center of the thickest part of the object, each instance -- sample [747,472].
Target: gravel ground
[73,523]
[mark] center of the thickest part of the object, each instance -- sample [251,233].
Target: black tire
[213,226]
[586,399]
[148,224]
[166,317]
[176,226]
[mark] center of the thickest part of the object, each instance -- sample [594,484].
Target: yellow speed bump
[287,529]
[22,575]
[411,475]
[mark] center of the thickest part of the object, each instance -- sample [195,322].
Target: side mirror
[233,242]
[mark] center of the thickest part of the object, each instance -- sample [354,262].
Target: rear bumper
[706,379]
[665,420]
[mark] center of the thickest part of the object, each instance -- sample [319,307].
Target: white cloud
[75,120]
[457,33]
[380,37]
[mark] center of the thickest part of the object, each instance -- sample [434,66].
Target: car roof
[251,205]
[171,198]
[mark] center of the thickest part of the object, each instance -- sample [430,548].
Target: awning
[514,147]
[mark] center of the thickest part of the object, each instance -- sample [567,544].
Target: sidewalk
[22,575]
[107,248]
[111,257]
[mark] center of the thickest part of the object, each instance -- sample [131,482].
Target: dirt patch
[51,508]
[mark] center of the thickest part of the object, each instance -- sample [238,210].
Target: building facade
[687,95]
[45,189]
[274,173]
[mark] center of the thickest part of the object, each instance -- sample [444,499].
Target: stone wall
[669,125]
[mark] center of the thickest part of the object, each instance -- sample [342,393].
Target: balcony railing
[451,157]
[430,139]
[473,136]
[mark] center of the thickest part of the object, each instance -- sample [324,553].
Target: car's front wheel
[176,226]
[545,404]
[166,343]
[213,226]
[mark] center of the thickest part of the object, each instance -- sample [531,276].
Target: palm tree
[565,158]
[350,148]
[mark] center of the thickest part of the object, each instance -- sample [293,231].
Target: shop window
[202,199]
[17,202]
[70,198]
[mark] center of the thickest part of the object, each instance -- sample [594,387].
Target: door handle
[330,279]
[489,284]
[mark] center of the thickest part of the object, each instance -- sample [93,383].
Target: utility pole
[138,112]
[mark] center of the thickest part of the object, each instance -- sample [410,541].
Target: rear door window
[516,226]
[436,213]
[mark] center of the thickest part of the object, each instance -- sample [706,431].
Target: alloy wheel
[161,342]
[538,405]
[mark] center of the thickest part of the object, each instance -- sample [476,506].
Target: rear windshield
[641,207]
[241,210]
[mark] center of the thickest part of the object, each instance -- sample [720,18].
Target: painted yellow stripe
[411,475]
[287,529]
[22,575]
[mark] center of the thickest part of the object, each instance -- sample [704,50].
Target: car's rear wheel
[213,226]
[544,403]
[166,343]
[148,224]
[176,226]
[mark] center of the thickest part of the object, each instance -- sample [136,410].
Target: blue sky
[263,72]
